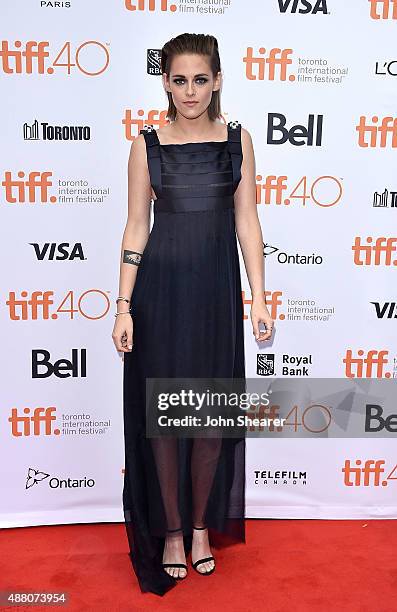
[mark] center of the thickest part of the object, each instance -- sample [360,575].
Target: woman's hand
[123,332]
[260,314]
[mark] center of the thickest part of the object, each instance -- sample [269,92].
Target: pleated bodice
[195,176]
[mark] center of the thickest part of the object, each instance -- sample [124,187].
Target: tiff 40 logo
[92,304]
[90,58]
[367,474]
[383,9]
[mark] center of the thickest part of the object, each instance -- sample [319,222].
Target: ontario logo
[36,477]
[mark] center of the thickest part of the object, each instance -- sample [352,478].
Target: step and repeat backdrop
[315,85]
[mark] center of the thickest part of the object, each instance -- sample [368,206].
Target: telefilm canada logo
[36,477]
[280,477]
[46,131]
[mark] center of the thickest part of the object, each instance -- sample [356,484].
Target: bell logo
[297,135]
[375,421]
[383,9]
[62,368]
[366,364]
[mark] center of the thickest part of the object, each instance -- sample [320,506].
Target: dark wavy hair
[202,44]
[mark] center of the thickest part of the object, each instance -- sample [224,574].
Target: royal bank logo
[153,62]
[265,364]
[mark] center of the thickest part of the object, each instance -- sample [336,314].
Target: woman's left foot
[202,560]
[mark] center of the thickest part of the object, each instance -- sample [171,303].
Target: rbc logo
[265,364]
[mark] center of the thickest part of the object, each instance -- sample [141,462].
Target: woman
[180,313]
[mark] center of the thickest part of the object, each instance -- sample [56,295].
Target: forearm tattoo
[132,257]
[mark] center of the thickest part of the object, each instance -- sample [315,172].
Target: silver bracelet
[119,313]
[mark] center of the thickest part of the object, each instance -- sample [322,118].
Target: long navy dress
[187,313]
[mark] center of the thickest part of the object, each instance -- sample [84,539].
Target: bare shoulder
[138,149]
[245,137]
[246,145]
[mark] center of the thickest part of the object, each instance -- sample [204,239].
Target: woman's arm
[137,228]
[135,237]
[250,237]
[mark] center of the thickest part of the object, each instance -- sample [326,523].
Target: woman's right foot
[174,552]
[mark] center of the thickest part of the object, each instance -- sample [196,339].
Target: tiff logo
[364,476]
[258,68]
[150,5]
[383,9]
[36,424]
[388,126]
[354,366]
[373,252]
[32,189]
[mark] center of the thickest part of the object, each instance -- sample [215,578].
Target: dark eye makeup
[200,80]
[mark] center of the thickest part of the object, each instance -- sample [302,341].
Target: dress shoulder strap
[153,156]
[235,149]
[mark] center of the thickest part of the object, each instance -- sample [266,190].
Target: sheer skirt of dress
[187,322]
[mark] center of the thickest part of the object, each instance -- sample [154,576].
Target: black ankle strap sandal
[204,560]
[175,565]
